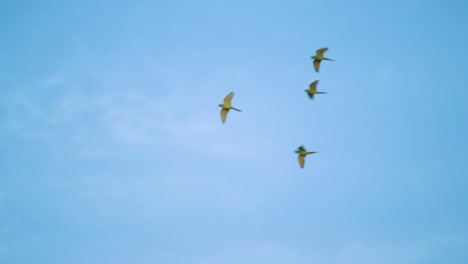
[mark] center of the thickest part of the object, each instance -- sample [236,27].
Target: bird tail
[236,109]
[328,59]
[321,92]
[311,152]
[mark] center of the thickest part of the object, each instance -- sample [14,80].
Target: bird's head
[220,105]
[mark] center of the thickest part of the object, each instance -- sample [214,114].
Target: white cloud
[55,80]
[128,117]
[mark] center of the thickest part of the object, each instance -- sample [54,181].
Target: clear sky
[112,150]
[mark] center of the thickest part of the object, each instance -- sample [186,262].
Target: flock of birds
[318,57]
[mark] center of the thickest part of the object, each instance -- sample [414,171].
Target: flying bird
[313,90]
[226,106]
[302,153]
[319,57]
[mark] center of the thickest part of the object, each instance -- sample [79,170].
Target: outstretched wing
[313,86]
[321,51]
[228,98]
[311,95]
[223,114]
[301,161]
[316,65]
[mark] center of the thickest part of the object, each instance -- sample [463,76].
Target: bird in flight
[302,153]
[319,57]
[313,90]
[226,106]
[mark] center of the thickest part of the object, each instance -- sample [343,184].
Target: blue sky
[112,149]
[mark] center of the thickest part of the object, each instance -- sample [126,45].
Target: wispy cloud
[348,253]
[129,117]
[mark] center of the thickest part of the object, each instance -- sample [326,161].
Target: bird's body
[226,106]
[313,90]
[302,154]
[318,57]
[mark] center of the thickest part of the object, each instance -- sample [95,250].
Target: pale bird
[302,154]
[226,106]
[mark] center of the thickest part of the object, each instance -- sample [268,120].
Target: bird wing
[311,95]
[316,65]
[313,86]
[301,160]
[223,114]
[227,99]
[321,51]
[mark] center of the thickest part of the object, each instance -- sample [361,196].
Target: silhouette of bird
[226,106]
[302,153]
[319,57]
